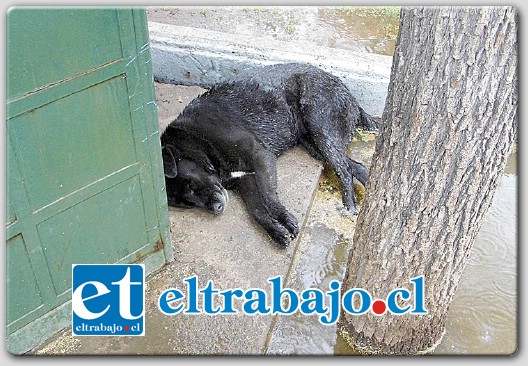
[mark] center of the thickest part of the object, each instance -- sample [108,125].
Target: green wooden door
[84,172]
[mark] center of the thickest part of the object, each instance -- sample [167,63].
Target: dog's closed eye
[210,169]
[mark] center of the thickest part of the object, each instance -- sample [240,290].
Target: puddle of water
[482,318]
[369,29]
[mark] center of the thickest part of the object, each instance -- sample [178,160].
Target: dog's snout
[219,202]
[218,207]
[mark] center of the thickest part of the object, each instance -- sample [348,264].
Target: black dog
[230,137]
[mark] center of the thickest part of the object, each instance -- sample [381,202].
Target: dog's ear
[169,162]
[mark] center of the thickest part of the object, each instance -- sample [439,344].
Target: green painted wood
[63,88]
[23,288]
[81,134]
[84,171]
[47,45]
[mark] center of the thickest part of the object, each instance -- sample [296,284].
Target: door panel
[84,169]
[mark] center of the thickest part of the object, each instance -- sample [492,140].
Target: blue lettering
[419,298]
[312,304]
[192,292]
[228,300]
[208,298]
[335,303]
[261,301]
[167,298]
[278,291]
[348,301]
[356,301]
[392,302]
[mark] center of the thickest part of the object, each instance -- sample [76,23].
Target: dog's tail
[367,122]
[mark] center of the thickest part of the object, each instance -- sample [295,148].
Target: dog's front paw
[290,223]
[285,228]
[279,224]
[281,236]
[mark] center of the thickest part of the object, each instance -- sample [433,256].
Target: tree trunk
[448,128]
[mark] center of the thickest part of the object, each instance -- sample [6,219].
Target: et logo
[108,299]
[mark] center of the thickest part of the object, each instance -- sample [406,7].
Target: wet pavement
[364,29]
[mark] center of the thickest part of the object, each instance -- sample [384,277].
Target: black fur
[245,124]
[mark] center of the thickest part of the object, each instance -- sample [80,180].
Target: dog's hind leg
[346,169]
[333,152]
[366,121]
[359,171]
[328,133]
[309,145]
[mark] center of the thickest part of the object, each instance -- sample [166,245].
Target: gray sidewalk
[234,252]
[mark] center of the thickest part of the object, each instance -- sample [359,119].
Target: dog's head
[192,180]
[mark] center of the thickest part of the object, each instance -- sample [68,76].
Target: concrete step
[192,56]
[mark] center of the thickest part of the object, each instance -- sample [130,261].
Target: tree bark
[448,127]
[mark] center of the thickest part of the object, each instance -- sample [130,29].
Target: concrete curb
[191,56]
